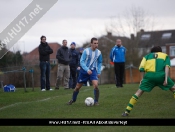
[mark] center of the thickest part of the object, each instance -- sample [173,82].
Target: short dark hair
[92,39]
[64,40]
[42,37]
[156,49]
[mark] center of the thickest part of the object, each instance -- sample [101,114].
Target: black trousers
[119,68]
[73,77]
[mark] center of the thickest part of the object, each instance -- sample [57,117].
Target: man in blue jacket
[117,55]
[73,66]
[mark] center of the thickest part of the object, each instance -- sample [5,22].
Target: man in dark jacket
[64,57]
[73,66]
[44,57]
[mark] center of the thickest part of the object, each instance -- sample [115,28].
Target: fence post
[131,77]
[24,71]
[2,84]
[31,71]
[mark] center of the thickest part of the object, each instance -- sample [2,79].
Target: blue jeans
[45,75]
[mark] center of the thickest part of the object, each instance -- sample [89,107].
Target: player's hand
[141,81]
[98,75]
[89,72]
[78,68]
[112,63]
[165,83]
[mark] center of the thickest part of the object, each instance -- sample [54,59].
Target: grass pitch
[113,101]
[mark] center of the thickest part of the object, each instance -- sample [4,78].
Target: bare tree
[129,24]
[132,21]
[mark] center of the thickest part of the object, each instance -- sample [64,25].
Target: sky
[80,20]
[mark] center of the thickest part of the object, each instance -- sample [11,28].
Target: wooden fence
[134,76]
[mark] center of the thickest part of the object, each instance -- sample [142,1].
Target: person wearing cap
[64,57]
[73,66]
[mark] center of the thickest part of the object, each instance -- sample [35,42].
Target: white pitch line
[12,105]
[41,100]
[24,103]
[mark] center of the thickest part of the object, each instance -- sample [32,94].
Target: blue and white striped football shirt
[91,59]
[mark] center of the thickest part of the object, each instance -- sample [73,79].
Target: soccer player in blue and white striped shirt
[90,62]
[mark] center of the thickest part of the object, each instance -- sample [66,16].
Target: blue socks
[96,95]
[74,96]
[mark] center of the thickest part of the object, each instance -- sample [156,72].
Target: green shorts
[152,79]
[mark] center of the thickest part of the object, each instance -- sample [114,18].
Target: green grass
[113,101]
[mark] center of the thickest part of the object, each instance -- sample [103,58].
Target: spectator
[73,66]
[64,57]
[117,56]
[44,57]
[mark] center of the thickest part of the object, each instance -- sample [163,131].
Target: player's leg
[83,77]
[75,93]
[94,79]
[173,90]
[132,102]
[142,88]
[96,91]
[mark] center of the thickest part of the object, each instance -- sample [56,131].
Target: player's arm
[99,63]
[142,65]
[82,61]
[166,74]
[142,68]
[167,67]
[111,54]
[142,75]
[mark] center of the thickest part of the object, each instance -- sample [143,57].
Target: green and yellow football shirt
[154,62]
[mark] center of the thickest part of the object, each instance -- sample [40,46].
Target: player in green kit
[155,68]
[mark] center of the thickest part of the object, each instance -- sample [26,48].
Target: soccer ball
[89,101]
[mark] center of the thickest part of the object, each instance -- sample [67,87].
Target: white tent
[172,62]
